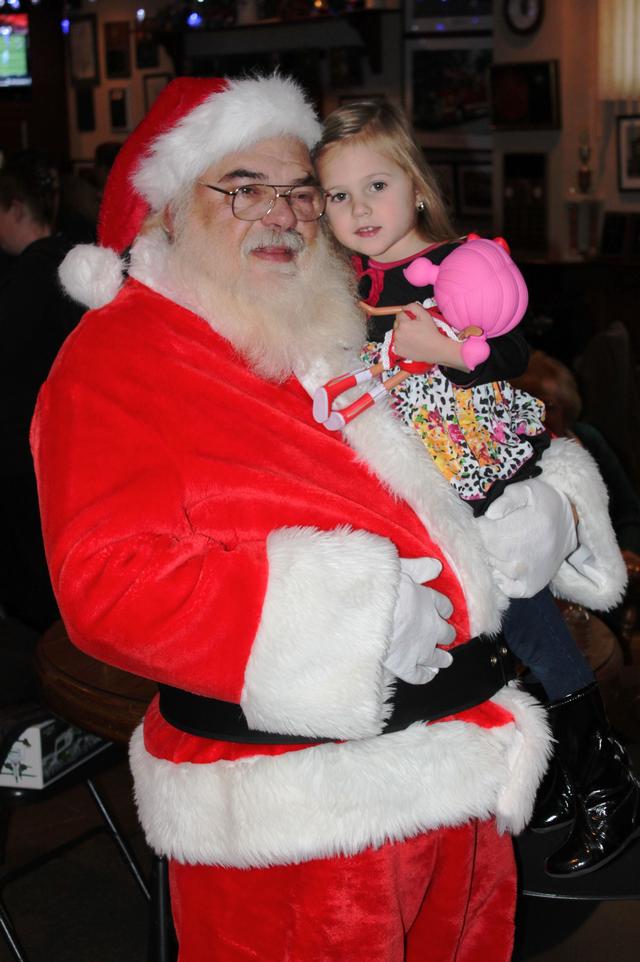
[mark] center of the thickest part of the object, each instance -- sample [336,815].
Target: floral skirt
[476,435]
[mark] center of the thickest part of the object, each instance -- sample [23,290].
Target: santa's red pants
[443,896]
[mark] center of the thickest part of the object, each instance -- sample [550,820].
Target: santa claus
[334,762]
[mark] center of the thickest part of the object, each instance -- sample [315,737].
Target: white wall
[568,33]
[82,145]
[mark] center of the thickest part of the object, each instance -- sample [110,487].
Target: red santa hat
[193,123]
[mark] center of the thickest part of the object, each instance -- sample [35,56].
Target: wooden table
[88,693]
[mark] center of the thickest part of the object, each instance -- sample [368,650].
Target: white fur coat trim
[316,662]
[248,111]
[337,799]
[398,457]
[601,582]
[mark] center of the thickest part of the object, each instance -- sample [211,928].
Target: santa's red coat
[203,531]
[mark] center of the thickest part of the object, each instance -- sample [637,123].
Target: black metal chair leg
[118,839]
[161,933]
[9,933]
[5,813]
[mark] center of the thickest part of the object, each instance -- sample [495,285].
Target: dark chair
[105,702]
[13,722]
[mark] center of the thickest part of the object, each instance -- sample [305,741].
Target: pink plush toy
[476,286]
[479,292]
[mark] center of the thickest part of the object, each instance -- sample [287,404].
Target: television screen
[14,50]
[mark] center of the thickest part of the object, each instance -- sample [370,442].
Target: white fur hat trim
[248,111]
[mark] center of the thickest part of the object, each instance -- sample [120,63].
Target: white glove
[528,532]
[583,561]
[419,624]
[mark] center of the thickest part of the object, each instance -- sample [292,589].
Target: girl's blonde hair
[383,127]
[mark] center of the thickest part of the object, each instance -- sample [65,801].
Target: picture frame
[83,50]
[147,54]
[620,237]
[447,91]
[475,189]
[526,95]
[153,84]
[117,49]
[628,150]
[85,109]
[119,109]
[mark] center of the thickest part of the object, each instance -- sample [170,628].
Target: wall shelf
[179,40]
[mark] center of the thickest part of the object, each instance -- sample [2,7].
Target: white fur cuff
[599,584]
[316,664]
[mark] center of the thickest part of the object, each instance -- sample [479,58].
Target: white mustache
[267,237]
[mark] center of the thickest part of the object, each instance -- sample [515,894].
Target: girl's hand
[417,337]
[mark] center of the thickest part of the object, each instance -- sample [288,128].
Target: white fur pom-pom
[91,275]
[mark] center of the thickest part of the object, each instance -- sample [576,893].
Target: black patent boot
[607,794]
[555,805]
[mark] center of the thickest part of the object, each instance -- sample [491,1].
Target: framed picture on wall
[620,238]
[83,51]
[146,52]
[525,96]
[629,152]
[117,49]
[119,109]
[447,91]
[85,110]
[153,84]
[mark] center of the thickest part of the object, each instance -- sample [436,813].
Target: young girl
[384,207]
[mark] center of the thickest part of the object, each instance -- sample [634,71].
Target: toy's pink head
[476,284]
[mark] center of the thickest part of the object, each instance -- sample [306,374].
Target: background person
[35,318]
[555,385]
[81,195]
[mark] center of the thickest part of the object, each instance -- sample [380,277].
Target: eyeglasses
[255,201]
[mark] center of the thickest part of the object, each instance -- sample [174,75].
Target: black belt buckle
[479,669]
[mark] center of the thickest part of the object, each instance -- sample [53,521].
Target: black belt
[479,669]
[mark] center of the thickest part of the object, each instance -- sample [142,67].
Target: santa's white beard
[280,316]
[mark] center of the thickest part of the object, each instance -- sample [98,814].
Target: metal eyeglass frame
[277,192]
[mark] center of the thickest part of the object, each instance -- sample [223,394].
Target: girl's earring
[420,206]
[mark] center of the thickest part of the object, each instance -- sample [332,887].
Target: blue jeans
[536,633]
